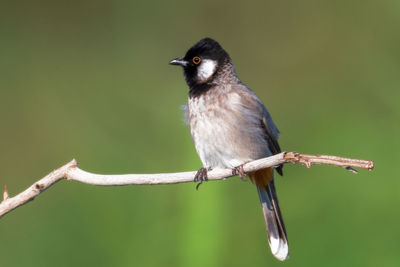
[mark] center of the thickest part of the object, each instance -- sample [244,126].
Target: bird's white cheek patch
[206,70]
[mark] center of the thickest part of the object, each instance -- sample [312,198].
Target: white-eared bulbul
[230,126]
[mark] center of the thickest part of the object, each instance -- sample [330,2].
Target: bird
[230,126]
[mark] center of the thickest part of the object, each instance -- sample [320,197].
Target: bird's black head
[202,63]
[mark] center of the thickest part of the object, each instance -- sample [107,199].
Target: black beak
[179,62]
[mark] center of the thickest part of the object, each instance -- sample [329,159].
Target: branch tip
[5,194]
[370,165]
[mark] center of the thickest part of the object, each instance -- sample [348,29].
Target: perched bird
[230,126]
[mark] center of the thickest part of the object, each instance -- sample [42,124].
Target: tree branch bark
[70,171]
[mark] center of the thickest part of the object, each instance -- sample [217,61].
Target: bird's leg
[239,171]
[201,176]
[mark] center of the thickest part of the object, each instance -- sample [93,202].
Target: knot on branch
[295,157]
[39,186]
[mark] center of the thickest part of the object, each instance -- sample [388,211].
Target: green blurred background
[90,80]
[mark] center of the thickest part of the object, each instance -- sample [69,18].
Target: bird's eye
[196,60]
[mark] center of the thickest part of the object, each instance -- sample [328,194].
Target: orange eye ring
[196,60]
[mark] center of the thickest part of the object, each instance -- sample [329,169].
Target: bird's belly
[224,140]
[215,145]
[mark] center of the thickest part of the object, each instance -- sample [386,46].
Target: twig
[70,171]
[5,193]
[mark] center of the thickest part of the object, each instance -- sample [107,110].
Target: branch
[70,171]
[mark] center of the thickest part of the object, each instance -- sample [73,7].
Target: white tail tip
[279,248]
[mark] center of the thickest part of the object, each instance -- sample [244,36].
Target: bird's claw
[239,171]
[201,176]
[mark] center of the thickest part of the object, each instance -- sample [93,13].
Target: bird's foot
[239,171]
[201,176]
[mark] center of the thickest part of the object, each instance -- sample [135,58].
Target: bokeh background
[90,80]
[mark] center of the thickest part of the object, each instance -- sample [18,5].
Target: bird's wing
[257,108]
[272,135]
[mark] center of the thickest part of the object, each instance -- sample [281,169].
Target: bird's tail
[272,214]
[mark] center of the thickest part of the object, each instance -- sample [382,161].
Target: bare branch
[70,171]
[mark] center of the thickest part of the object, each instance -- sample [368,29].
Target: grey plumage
[230,126]
[225,123]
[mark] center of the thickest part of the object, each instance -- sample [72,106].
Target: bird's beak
[179,62]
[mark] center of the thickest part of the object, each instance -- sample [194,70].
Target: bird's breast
[223,136]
